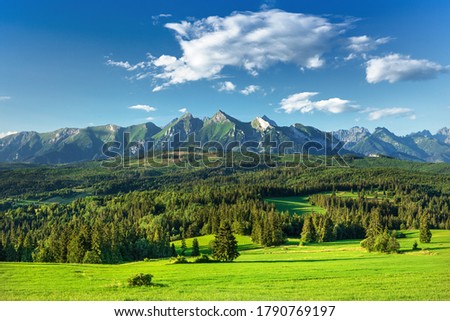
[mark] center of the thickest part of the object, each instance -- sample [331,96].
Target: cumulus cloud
[226,86]
[5,98]
[2,134]
[183,110]
[146,108]
[366,43]
[150,118]
[390,112]
[302,102]
[395,67]
[252,41]
[250,90]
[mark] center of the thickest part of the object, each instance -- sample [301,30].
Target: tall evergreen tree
[373,231]
[308,234]
[425,233]
[173,251]
[225,244]
[326,230]
[195,248]
[183,246]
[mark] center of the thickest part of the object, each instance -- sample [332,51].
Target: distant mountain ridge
[421,146]
[69,145]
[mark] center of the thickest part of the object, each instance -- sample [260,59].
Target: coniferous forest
[88,214]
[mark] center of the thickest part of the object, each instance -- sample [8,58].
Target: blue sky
[329,64]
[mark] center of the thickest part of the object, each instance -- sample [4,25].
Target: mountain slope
[68,145]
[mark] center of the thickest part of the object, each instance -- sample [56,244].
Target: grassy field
[328,271]
[295,204]
[375,194]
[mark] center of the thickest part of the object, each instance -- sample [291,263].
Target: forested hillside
[87,214]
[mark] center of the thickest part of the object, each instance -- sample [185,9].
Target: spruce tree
[173,252]
[183,246]
[225,244]
[326,231]
[195,248]
[425,233]
[308,231]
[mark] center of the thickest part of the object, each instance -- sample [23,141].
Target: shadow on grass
[153,285]
[307,261]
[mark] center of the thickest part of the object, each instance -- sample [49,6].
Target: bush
[415,246]
[203,259]
[178,260]
[140,280]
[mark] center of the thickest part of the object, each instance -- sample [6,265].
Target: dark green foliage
[140,280]
[326,230]
[415,246]
[225,244]
[164,205]
[425,233]
[91,257]
[308,231]
[173,252]
[195,248]
[382,242]
[183,246]
[203,259]
[178,260]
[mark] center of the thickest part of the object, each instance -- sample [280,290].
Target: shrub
[140,280]
[415,246]
[203,259]
[178,260]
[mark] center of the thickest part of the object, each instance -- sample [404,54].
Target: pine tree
[326,231]
[225,244]
[308,234]
[425,233]
[183,246]
[173,252]
[373,231]
[195,248]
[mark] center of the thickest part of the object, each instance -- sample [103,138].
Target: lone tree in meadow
[425,233]
[225,244]
[195,248]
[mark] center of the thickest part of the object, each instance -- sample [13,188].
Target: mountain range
[69,145]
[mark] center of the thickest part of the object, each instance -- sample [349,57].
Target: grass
[368,195]
[327,271]
[295,205]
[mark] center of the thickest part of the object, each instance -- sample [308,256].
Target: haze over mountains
[68,145]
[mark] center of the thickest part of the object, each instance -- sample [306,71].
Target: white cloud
[250,90]
[302,102]
[183,110]
[7,134]
[250,40]
[146,108]
[366,43]
[226,86]
[395,67]
[5,98]
[126,65]
[150,118]
[155,19]
[389,112]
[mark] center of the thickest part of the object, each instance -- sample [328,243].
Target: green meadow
[295,205]
[327,271]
